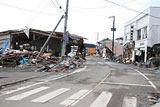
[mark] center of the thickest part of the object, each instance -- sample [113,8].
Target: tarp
[3,47]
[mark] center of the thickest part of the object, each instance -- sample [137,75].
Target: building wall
[154,37]
[147,27]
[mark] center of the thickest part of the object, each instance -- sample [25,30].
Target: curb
[16,82]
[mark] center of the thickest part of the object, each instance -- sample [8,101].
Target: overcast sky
[86,17]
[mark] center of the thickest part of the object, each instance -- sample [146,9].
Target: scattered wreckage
[22,50]
[48,62]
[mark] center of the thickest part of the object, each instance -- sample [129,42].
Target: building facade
[143,31]
[36,39]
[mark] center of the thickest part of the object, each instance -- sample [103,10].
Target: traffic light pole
[63,49]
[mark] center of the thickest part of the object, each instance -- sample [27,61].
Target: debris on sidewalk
[154,99]
[50,63]
[25,51]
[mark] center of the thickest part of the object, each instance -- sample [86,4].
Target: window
[126,38]
[145,32]
[139,34]
[131,38]
[132,26]
[131,32]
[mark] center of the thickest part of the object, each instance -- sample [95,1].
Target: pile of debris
[13,58]
[47,61]
[154,99]
[68,63]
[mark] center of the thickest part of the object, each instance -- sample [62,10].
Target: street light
[113,29]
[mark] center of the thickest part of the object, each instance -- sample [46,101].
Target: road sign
[66,38]
[67,33]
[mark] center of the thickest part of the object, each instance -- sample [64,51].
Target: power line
[60,6]
[26,9]
[56,6]
[131,9]
[34,17]
[105,6]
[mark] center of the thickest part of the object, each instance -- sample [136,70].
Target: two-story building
[143,31]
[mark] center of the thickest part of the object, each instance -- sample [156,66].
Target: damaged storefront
[35,41]
[154,56]
[22,49]
[128,52]
[140,52]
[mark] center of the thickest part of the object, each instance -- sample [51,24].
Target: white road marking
[127,84]
[21,88]
[136,73]
[102,100]
[129,102]
[51,95]
[25,87]
[147,79]
[82,69]
[72,100]
[62,76]
[26,94]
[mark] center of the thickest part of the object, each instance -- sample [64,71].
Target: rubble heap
[13,58]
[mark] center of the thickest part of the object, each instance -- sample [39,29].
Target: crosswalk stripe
[102,100]
[75,98]
[21,88]
[50,95]
[26,94]
[129,102]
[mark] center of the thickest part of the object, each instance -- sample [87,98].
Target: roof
[141,13]
[87,45]
[105,40]
[73,36]
[41,32]
[120,38]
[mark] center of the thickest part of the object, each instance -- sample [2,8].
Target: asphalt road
[97,84]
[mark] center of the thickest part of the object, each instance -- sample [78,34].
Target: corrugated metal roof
[41,32]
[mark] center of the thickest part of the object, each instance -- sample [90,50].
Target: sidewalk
[10,77]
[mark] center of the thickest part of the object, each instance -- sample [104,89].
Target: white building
[144,30]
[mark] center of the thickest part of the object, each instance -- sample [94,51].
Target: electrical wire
[59,9]
[132,9]
[34,17]
[60,6]
[26,9]
[105,6]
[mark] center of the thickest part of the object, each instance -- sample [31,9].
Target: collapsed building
[29,42]
[35,40]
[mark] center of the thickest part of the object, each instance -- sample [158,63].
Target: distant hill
[87,45]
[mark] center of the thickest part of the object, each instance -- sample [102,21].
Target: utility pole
[63,49]
[97,36]
[113,29]
[97,44]
[45,44]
